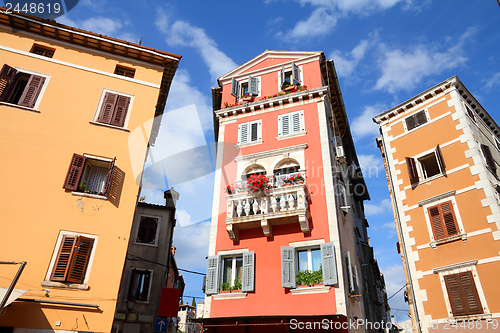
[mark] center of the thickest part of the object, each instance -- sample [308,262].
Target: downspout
[403,247]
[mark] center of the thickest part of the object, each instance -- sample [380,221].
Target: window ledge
[230,296]
[486,316]
[146,244]
[20,107]
[253,143]
[74,286]
[453,238]
[310,290]
[442,174]
[110,126]
[88,195]
[283,137]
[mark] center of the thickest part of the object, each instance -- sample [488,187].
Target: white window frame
[233,256]
[97,196]
[40,95]
[99,105]
[426,112]
[288,69]
[420,168]
[437,201]
[158,225]
[249,133]
[63,233]
[469,266]
[151,277]
[302,130]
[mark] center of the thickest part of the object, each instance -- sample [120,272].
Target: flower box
[247,98]
[290,87]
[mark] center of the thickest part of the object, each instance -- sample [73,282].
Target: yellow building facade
[441,151]
[77,113]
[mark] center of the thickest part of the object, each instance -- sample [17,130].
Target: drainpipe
[403,247]
[13,284]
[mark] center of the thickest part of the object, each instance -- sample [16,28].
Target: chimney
[171,196]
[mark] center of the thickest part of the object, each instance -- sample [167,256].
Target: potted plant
[237,285]
[82,188]
[257,183]
[287,181]
[230,189]
[225,288]
[297,179]
[247,98]
[309,278]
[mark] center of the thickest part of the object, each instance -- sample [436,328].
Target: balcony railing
[283,205]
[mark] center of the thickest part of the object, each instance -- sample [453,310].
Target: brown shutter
[63,260]
[31,92]
[121,109]
[109,177]
[7,76]
[420,118]
[437,224]
[80,260]
[449,218]
[107,108]
[411,122]
[412,169]
[440,159]
[489,158]
[75,172]
[462,292]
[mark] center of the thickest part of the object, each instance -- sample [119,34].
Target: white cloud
[191,242]
[182,33]
[493,81]
[363,125]
[403,70]
[394,280]
[378,208]
[371,165]
[310,27]
[103,26]
[346,63]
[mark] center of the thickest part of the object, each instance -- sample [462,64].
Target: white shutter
[296,127]
[248,271]
[285,124]
[243,137]
[288,267]
[282,77]
[329,264]
[212,284]
[295,73]
[235,87]
[253,85]
[350,278]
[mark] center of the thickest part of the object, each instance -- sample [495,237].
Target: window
[291,123]
[352,281]
[90,175]
[462,293]
[113,109]
[490,161]
[231,271]
[443,220]
[125,71]
[311,259]
[140,283]
[251,87]
[148,230]
[470,113]
[290,77]
[20,88]
[428,166]
[415,120]
[73,256]
[43,50]
[250,132]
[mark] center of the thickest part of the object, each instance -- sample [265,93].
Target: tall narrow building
[78,111]
[441,152]
[288,243]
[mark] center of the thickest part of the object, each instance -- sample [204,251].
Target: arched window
[285,168]
[253,169]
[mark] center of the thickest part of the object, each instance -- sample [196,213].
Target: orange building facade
[288,243]
[441,152]
[70,101]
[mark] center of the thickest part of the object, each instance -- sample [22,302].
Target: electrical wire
[397,292]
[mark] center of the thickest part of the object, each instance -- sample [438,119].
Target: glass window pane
[302,254]
[239,268]
[316,259]
[228,269]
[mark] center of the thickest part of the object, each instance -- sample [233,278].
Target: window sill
[253,143]
[453,238]
[427,180]
[88,195]
[310,290]
[20,107]
[284,137]
[73,286]
[110,126]
[481,316]
[146,244]
[230,296]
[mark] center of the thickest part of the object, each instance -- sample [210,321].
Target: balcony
[276,206]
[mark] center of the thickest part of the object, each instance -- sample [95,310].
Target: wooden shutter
[296,126]
[253,85]
[282,76]
[80,259]
[350,278]
[489,158]
[63,260]
[462,292]
[107,108]
[295,74]
[443,220]
[412,169]
[440,159]
[420,118]
[109,177]
[7,76]
[288,267]
[235,87]
[329,264]
[212,284]
[285,124]
[243,130]
[120,112]
[254,135]
[437,224]
[75,172]
[31,92]
[248,282]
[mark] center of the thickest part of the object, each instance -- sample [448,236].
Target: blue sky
[385,52]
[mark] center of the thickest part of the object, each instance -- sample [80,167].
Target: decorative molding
[270,153]
[229,296]
[437,198]
[454,266]
[310,290]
